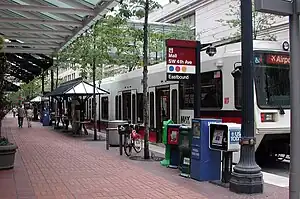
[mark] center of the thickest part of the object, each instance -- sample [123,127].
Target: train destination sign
[181,59]
[278,59]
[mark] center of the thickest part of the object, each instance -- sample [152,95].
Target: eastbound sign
[181,59]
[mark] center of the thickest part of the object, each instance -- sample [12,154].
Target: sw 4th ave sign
[181,59]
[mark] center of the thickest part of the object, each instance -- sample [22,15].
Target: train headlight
[267,117]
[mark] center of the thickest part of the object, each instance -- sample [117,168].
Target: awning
[76,87]
[35,30]
[39,99]
[10,87]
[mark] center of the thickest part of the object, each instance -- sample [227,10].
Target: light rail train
[220,96]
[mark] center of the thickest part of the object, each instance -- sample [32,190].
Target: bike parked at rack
[132,140]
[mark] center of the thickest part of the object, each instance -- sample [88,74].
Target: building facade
[205,15]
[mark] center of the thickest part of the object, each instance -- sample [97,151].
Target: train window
[116,108]
[140,108]
[211,91]
[174,106]
[120,107]
[133,109]
[151,110]
[104,108]
[238,92]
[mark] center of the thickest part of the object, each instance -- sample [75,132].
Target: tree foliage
[27,91]
[261,21]
[4,68]
[114,41]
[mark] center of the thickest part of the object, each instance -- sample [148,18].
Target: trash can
[185,141]
[166,161]
[46,118]
[112,130]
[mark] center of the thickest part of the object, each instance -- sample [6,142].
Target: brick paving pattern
[52,165]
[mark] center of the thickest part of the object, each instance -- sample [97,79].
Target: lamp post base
[247,183]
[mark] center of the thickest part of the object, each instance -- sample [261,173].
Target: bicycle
[132,140]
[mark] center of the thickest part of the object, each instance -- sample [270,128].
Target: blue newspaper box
[46,118]
[205,163]
[173,141]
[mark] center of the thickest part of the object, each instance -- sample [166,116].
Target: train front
[272,110]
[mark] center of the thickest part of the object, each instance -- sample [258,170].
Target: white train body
[271,94]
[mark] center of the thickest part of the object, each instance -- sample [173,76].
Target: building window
[104,108]
[211,91]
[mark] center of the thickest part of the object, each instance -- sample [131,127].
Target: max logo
[185,120]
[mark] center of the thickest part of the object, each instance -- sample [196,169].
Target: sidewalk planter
[7,156]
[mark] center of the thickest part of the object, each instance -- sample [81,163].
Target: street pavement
[52,164]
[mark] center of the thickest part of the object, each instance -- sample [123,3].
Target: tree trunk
[0,128]
[56,84]
[145,83]
[94,87]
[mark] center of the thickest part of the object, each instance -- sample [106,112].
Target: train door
[126,97]
[120,105]
[134,106]
[174,103]
[152,109]
[162,108]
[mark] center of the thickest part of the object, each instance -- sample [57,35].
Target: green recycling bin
[166,161]
[185,141]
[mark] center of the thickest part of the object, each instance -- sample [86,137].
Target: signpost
[181,59]
[183,63]
[291,9]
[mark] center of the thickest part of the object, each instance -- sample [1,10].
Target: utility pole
[295,102]
[291,9]
[247,176]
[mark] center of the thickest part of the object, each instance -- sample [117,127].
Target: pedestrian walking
[21,115]
[29,115]
[14,110]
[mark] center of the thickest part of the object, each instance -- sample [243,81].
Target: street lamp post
[247,176]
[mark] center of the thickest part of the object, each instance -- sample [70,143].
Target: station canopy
[76,87]
[35,30]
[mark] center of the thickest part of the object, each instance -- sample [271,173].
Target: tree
[261,21]
[141,8]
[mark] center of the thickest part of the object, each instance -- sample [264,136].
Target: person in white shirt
[29,115]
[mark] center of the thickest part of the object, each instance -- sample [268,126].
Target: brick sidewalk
[52,165]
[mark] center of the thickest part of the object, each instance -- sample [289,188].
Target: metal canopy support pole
[295,101]
[247,176]
[43,92]
[197,84]
[52,88]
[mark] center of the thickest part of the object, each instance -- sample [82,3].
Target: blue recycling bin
[205,163]
[173,142]
[46,118]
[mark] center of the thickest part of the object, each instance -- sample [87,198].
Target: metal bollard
[107,138]
[121,142]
